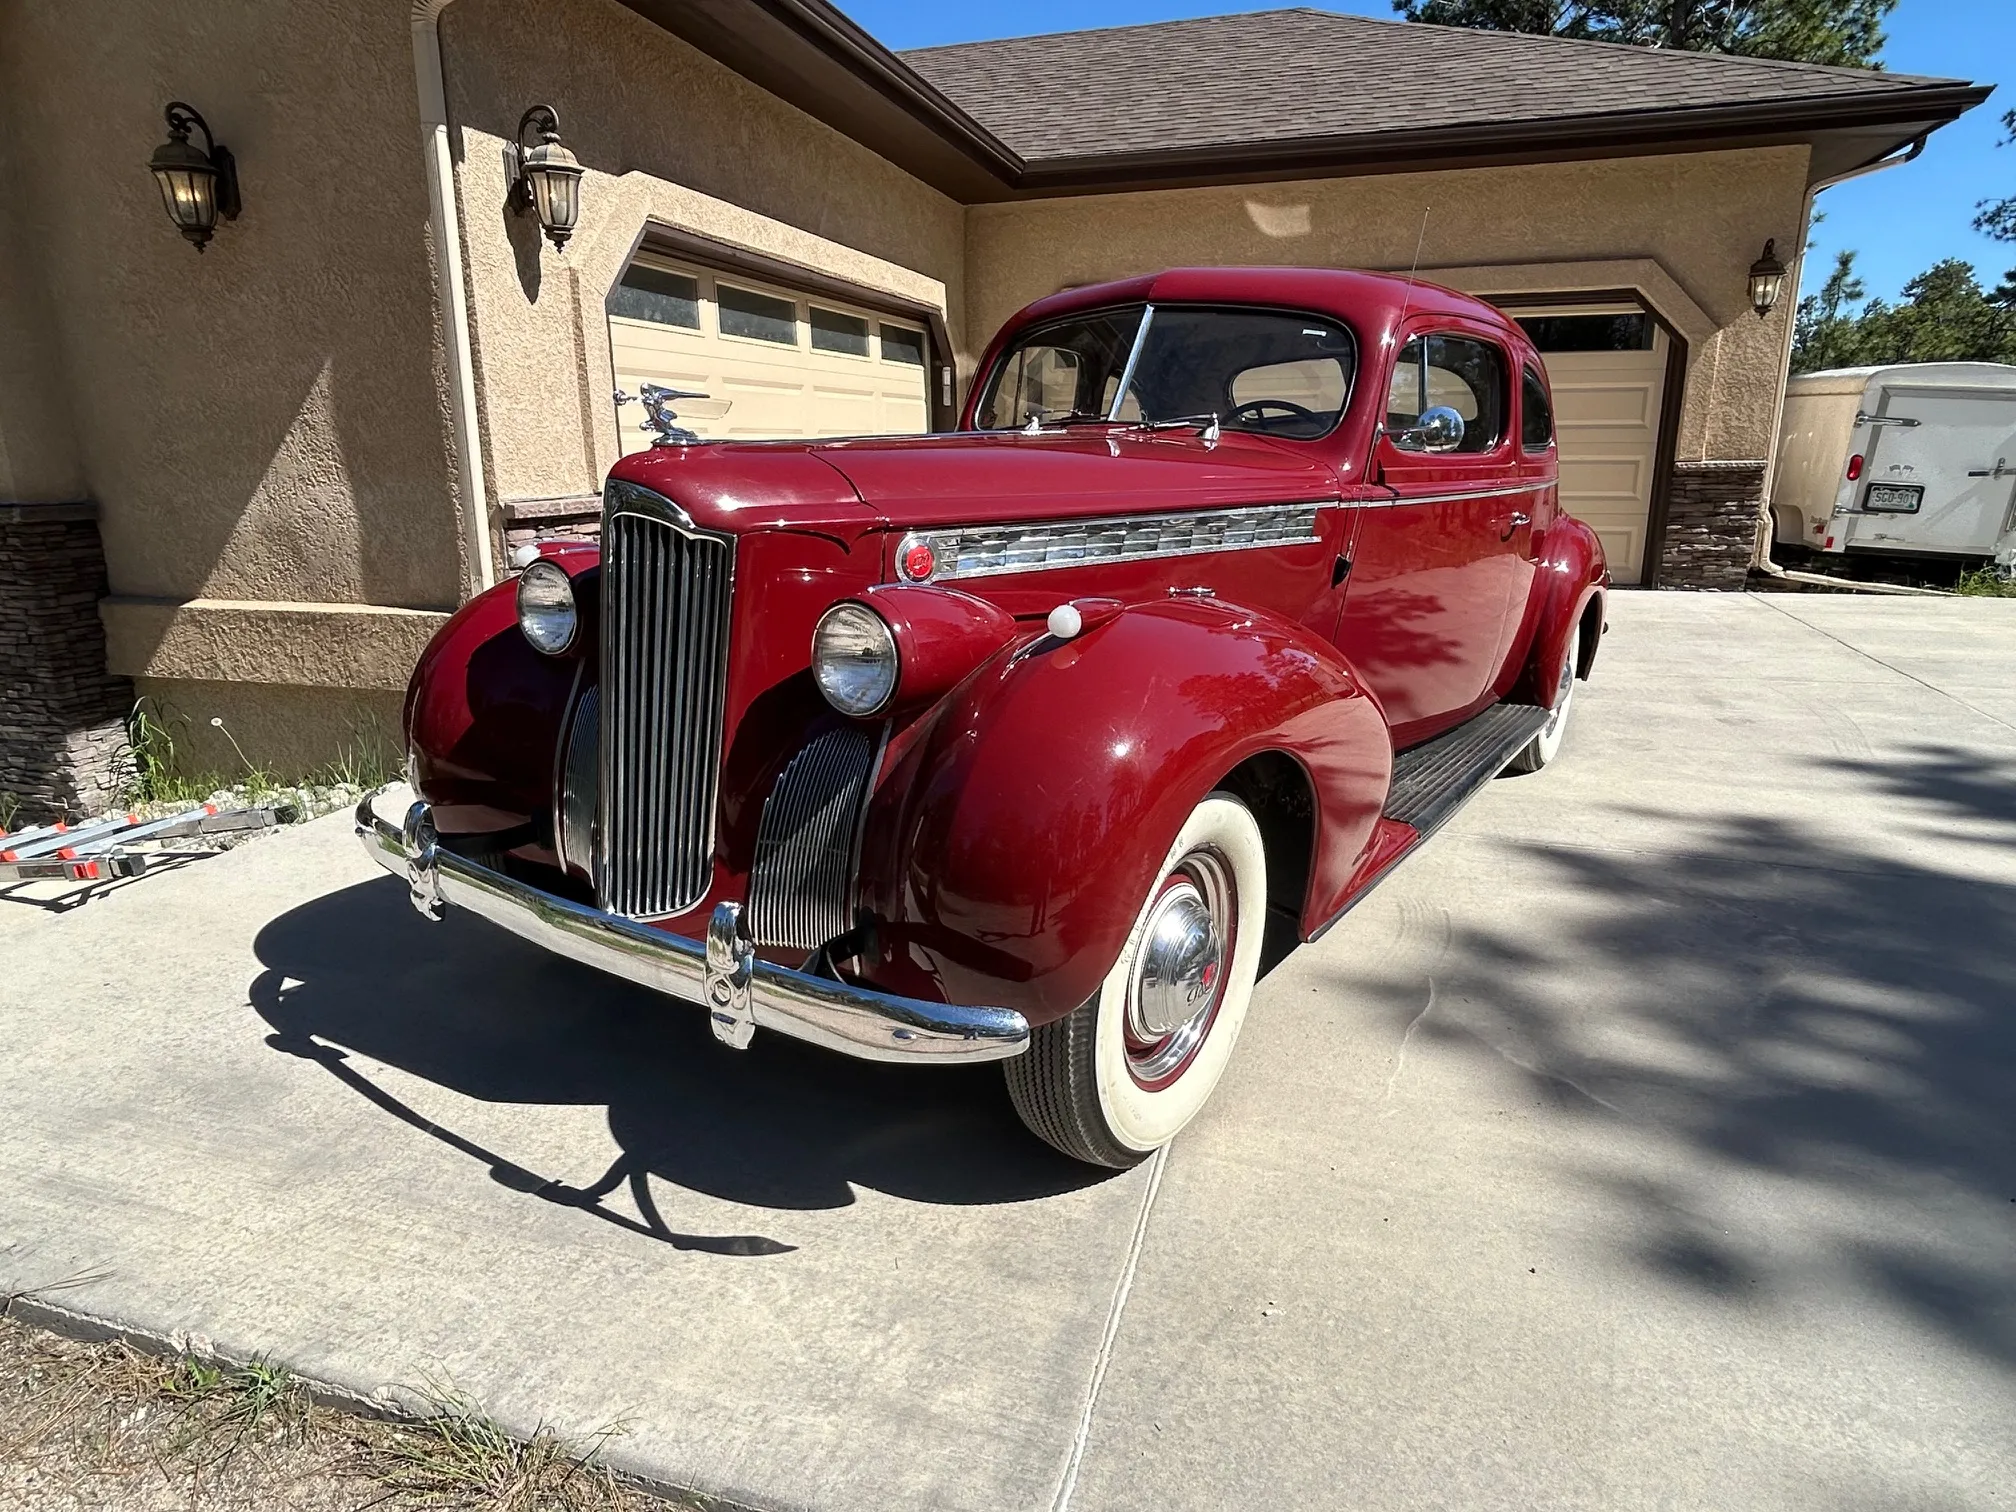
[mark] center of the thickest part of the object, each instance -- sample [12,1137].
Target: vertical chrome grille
[804,871]
[666,591]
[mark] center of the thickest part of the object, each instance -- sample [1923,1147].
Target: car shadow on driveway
[781,1125]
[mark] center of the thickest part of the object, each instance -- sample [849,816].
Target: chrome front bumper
[741,993]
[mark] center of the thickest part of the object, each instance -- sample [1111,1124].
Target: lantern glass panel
[190,195]
[555,192]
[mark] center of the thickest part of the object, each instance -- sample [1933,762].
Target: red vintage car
[1037,741]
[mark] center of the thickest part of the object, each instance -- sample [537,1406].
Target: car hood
[973,477]
[851,487]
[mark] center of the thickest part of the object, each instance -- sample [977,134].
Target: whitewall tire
[1545,746]
[1120,1075]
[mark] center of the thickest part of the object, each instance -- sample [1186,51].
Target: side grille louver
[666,592]
[798,888]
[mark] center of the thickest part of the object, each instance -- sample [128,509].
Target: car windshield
[1272,373]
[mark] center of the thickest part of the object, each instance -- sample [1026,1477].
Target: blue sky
[1900,221]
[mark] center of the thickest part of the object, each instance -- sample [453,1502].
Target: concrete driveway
[1646,1142]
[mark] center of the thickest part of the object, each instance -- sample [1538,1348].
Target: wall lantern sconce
[1767,280]
[198,184]
[545,177]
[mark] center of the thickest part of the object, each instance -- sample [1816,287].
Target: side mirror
[1439,429]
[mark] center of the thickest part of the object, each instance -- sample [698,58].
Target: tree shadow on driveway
[781,1125]
[1824,1031]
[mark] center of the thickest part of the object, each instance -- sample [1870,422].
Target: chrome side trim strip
[857,1021]
[1447,498]
[991,550]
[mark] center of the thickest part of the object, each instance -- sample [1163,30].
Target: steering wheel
[1289,408]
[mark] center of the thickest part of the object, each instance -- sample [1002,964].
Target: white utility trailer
[1917,459]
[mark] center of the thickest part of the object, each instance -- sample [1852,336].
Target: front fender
[1013,841]
[1572,576]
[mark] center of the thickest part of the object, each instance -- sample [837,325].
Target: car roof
[1372,303]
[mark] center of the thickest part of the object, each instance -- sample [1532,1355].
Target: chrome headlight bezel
[855,661]
[548,617]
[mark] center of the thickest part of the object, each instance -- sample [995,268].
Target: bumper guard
[741,993]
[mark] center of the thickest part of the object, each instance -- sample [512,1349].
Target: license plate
[1894,498]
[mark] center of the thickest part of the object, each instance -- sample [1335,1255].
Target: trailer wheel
[1121,1074]
[1547,744]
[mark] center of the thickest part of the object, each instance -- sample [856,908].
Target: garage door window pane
[899,345]
[1589,333]
[651,294]
[834,332]
[758,316]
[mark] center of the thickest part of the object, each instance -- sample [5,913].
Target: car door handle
[1519,517]
[2001,466]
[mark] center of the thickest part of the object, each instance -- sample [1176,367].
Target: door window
[1466,375]
[1536,416]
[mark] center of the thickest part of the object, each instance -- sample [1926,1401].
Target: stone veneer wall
[62,715]
[1713,514]
[529,521]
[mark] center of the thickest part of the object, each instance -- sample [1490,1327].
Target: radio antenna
[1421,385]
[1407,300]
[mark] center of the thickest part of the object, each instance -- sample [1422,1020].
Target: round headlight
[854,659]
[546,608]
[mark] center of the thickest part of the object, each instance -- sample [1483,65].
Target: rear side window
[1467,376]
[1536,416]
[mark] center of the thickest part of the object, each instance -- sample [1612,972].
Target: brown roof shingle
[1281,75]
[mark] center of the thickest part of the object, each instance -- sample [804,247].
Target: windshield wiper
[1040,419]
[1206,425]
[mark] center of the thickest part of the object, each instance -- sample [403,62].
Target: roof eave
[810,54]
[1912,112]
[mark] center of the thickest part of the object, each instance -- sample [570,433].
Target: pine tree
[1823,336]
[1843,32]
[1945,316]
[1998,217]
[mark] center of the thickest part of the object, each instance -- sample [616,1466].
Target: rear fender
[1012,842]
[1571,581]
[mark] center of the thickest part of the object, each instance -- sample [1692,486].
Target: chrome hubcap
[1179,972]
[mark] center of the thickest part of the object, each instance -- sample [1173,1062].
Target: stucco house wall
[670,138]
[263,421]
[265,428]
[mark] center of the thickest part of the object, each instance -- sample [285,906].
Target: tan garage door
[1607,368]
[780,361]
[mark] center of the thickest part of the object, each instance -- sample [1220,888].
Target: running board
[1432,781]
